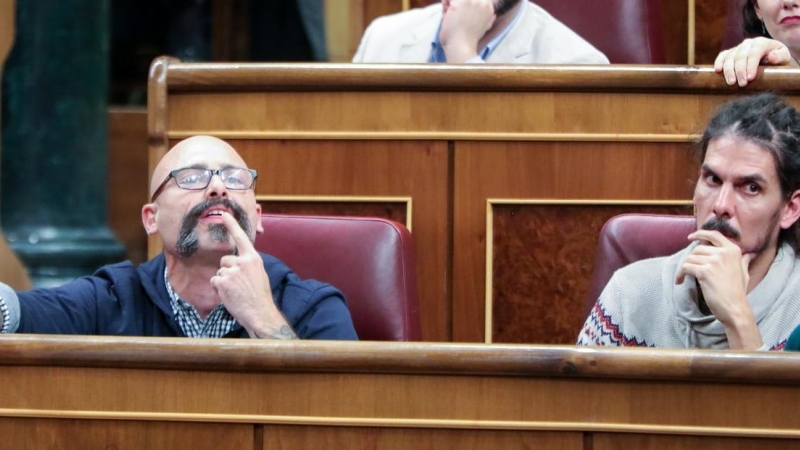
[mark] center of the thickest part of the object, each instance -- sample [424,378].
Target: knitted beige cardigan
[642,306]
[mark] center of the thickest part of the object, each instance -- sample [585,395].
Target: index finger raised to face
[240,238]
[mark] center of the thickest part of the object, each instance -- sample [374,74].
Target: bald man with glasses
[209,281]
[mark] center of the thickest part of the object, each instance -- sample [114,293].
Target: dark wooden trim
[403,358]
[157,119]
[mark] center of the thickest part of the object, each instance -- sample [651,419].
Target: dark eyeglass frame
[211,172]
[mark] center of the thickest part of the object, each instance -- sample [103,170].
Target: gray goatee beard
[188,239]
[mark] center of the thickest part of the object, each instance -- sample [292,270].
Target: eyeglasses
[194,179]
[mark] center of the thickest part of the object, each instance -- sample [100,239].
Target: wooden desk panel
[335,438]
[43,433]
[387,395]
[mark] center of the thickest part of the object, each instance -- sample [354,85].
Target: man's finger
[720,59]
[680,276]
[240,238]
[747,258]
[713,237]
[228,261]
[728,68]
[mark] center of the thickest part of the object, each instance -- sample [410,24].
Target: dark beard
[503,6]
[188,240]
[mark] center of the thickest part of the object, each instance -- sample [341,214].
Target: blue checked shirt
[219,323]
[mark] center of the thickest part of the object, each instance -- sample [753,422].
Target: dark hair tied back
[753,26]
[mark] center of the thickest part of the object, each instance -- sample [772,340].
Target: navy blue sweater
[125,300]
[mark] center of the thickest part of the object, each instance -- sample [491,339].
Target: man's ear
[149,212]
[791,212]
[259,227]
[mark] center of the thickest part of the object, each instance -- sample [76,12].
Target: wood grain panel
[603,441]
[388,210]
[542,266]
[710,23]
[440,114]
[378,395]
[674,19]
[128,180]
[53,434]
[359,399]
[548,171]
[282,437]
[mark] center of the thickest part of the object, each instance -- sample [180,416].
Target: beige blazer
[536,38]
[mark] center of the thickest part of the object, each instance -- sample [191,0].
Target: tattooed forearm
[284,332]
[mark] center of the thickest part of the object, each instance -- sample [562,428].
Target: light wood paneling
[283,437]
[604,441]
[157,392]
[53,434]
[442,115]
[390,209]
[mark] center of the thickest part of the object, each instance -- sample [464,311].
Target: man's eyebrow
[752,178]
[706,169]
[743,179]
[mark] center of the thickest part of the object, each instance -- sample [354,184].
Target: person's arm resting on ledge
[9,309]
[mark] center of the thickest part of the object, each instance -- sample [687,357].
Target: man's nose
[216,188]
[723,204]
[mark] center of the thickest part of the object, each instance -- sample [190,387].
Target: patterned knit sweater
[642,306]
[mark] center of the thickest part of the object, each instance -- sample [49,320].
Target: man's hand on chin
[243,286]
[464,23]
[721,271]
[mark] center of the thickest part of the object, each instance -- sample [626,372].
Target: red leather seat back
[371,260]
[627,31]
[630,237]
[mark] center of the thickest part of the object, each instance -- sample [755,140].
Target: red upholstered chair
[630,237]
[371,260]
[627,31]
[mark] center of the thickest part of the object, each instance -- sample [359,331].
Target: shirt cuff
[9,309]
